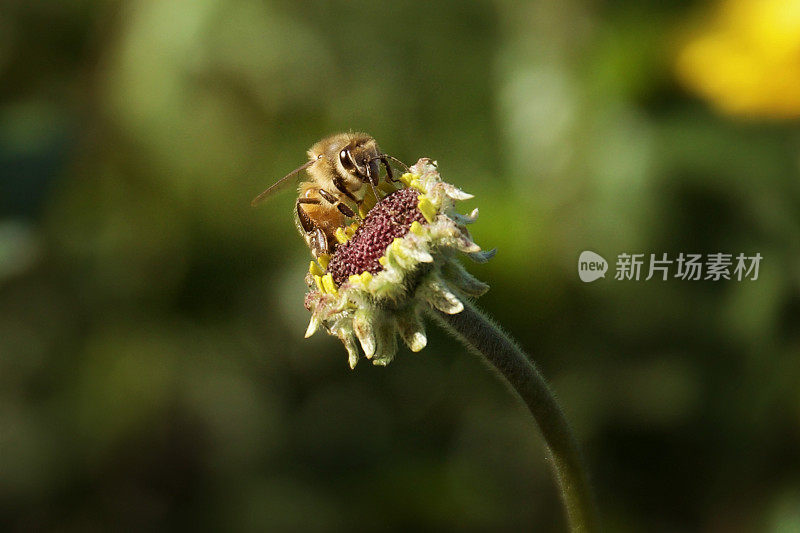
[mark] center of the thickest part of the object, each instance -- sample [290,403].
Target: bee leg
[318,242]
[389,176]
[305,222]
[372,183]
[315,237]
[345,210]
[331,199]
[384,158]
[338,182]
[328,197]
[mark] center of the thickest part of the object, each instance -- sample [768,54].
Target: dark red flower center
[385,222]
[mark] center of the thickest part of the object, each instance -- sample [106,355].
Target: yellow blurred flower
[746,58]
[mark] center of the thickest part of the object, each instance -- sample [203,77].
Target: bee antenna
[275,186]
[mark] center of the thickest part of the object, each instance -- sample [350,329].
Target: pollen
[407,178]
[341,236]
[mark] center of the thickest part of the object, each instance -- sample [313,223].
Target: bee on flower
[374,277]
[402,258]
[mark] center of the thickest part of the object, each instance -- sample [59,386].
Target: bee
[340,168]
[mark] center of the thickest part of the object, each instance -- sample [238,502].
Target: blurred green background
[153,371]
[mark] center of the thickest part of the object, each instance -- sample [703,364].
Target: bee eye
[346,160]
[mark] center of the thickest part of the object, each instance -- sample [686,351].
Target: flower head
[402,257]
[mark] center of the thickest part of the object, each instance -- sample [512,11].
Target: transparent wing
[278,185]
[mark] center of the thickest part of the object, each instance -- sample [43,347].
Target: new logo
[591,266]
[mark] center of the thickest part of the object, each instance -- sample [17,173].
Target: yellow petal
[315,269]
[330,286]
[397,247]
[407,177]
[427,209]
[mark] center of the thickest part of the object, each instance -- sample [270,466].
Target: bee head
[359,158]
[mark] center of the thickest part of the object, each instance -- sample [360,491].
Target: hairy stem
[482,336]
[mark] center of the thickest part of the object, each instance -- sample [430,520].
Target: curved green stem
[482,336]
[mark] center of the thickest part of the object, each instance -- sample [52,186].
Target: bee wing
[278,185]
